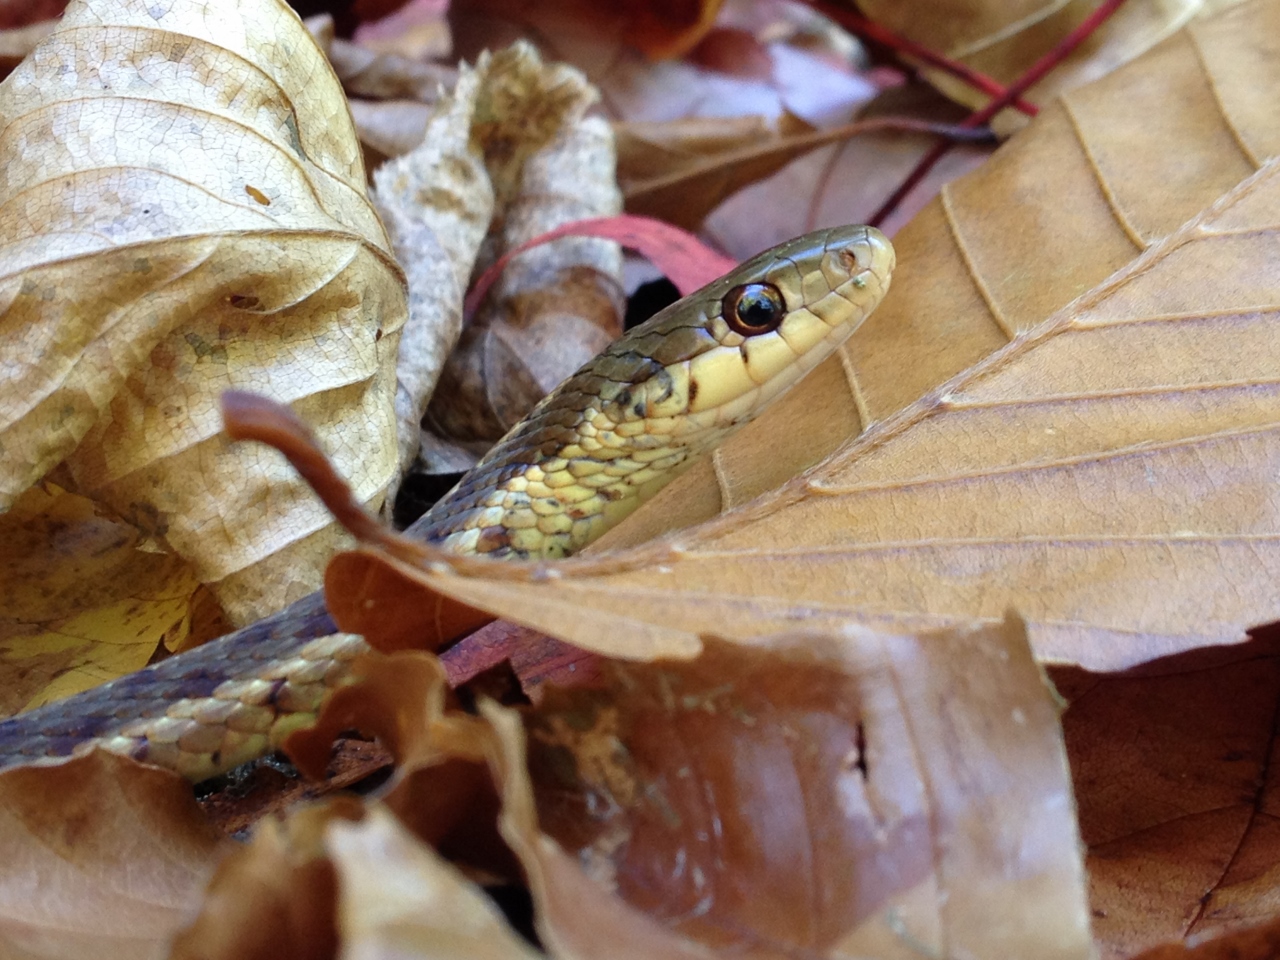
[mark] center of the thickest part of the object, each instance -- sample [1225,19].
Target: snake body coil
[588,455]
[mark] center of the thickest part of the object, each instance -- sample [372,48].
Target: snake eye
[754,308]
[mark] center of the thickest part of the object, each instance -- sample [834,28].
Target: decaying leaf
[997,253]
[102,858]
[558,305]
[183,211]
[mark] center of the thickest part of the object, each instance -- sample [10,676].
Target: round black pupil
[756,308]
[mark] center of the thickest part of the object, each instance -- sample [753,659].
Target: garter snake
[588,455]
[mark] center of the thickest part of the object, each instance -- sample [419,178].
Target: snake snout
[868,251]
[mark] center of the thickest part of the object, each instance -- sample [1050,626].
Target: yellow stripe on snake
[588,455]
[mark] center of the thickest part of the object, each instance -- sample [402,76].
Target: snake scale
[589,454]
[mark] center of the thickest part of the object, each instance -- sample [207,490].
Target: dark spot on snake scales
[693,390]
[493,538]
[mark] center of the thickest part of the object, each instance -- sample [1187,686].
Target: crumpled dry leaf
[1119,455]
[437,202]
[399,898]
[102,858]
[558,305]
[869,795]
[84,599]
[184,212]
[997,253]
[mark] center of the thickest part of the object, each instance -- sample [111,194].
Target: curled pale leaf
[555,306]
[437,202]
[184,211]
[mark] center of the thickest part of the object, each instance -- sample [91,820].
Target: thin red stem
[1030,78]
[870,30]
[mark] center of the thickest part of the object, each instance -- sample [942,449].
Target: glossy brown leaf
[858,794]
[861,794]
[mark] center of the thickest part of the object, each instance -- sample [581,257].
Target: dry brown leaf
[184,211]
[1257,943]
[390,128]
[848,181]
[870,795]
[1174,767]
[366,72]
[556,306]
[998,252]
[274,898]
[667,29]
[1110,474]
[634,88]
[102,858]
[709,160]
[399,898]
[853,794]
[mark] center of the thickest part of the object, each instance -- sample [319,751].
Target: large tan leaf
[183,210]
[1001,248]
[1110,474]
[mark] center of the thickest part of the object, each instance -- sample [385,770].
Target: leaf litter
[1228,62]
